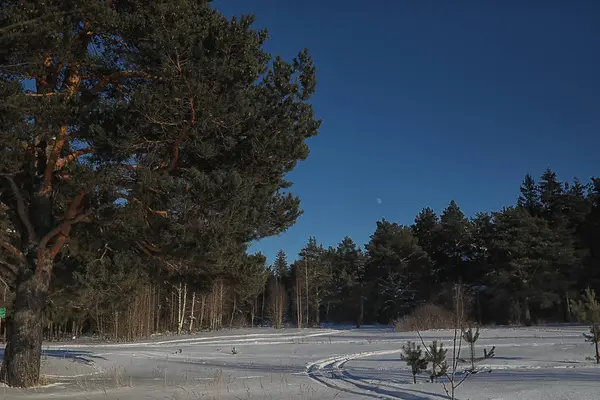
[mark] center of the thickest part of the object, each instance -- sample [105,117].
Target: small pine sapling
[471,336]
[436,354]
[589,311]
[413,355]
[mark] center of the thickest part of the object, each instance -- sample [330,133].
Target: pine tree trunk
[262,311]
[202,306]
[298,305]
[317,308]
[307,292]
[233,312]
[361,311]
[568,304]
[594,332]
[527,312]
[22,355]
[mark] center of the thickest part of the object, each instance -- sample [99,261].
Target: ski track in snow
[274,364]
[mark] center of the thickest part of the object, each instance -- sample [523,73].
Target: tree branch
[116,76]
[62,162]
[62,231]
[22,209]
[192,122]
[49,94]
[13,250]
[51,163]
[10,267]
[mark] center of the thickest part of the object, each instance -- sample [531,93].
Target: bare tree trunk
[179,314]
[307,292]
[149,312]
[262,310]
[568,304]
[116,325]
[317,307]
[298,304]
[192,312]
[202,306]
[182,296]
[233,312]
[527,312]
[361,311]
[252,311]
[221,311]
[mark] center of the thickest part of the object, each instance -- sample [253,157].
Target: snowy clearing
[545,363]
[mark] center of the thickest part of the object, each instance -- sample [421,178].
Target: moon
[378,201]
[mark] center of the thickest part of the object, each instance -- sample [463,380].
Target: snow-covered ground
[548,363]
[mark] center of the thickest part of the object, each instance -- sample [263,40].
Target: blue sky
[425,101]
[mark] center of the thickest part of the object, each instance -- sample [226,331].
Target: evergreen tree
[132,114]
[456,244]
[436,355]
[413,355]
[526,256]
[281,269]
[591,239]
[396,267]
[529,199]
[588,310]
[316,268]
[552,198]
[347,292]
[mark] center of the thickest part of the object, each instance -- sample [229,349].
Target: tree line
[524,264]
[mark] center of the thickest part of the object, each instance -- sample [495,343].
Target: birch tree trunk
[192,312]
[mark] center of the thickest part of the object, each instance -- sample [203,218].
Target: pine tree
[590,234]
[552,198]
[471,338]
[131,115]
[530,198]
[588,310]
[426,229]
[436,355]
[395,269]
[316,271]
[281,269]
[413,355]
[456,244]
[526,255]
[347,289]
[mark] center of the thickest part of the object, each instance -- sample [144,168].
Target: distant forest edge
[524,264]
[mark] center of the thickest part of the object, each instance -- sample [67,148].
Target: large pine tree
[152,117]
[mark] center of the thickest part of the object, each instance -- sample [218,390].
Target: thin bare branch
[49,94]
[22,209]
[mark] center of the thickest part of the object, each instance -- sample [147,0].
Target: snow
[545,363]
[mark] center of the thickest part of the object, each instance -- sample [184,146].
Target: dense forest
[521,265]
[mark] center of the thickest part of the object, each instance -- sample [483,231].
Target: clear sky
[427,101]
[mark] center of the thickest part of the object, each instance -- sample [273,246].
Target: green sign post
[2,313]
